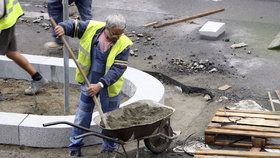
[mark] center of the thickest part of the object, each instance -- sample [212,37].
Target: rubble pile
[192,66]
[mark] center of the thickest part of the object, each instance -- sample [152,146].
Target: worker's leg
[9,48]
[84,8]
[109,104]
[82,118]
[21,61]
[55,10]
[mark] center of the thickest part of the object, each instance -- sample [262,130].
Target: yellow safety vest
[85,60]
[13,12]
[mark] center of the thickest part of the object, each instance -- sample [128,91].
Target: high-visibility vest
[13,12]
[85,60]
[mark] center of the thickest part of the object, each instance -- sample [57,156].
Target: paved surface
[254,22]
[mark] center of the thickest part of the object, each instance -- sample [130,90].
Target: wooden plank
[232,114]
[150,24]
[242,133]
[245,127]
[271,102]
[258,143]
[251,112]
[250,154]
[247,121]
[182,19]
[244,144]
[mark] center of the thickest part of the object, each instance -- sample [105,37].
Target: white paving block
[32,132]
[9,123]
[212,30]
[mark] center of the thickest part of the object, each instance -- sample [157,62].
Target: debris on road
[224,87]
[207,97]
[212,30]
[275,42]
[238,45]
[37,20]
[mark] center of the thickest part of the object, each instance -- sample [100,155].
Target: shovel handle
[71,53]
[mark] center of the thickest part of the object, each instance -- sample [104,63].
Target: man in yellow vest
[8,45]
[103,56]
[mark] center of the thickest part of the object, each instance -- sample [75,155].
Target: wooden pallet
[243,129]
[208,153]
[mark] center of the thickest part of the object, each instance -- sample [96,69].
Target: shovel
[96,101]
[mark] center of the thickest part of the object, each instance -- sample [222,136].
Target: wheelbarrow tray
[136,131]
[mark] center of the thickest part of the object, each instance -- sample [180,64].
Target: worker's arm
[72,28]
[117,69]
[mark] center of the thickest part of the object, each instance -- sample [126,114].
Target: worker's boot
[50,46]
[36,86]
[1,97]
[76,153]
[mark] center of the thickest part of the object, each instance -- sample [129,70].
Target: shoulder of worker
[71,26]
[72,23]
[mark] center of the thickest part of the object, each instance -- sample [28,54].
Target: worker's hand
[93,89]
[59,30]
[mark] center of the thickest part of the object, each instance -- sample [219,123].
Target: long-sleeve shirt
[116,70]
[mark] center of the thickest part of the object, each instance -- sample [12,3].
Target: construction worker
[8,45]
[103,55]
[55,10]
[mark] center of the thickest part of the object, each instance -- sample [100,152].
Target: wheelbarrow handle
[67,123]
[100,136]
[71,53]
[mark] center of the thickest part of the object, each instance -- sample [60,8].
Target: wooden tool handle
[71,53]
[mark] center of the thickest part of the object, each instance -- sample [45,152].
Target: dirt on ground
[49,100]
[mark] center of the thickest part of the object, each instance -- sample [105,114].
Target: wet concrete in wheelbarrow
[136,114]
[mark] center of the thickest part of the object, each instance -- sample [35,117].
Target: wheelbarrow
[157,134]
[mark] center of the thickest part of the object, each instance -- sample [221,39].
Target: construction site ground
[251,71]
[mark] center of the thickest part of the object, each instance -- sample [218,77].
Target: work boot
[1,97]
[52,46]
[36,86]
[76,153]
[108,154]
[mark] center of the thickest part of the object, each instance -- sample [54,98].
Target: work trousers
[83,117]
[55,10]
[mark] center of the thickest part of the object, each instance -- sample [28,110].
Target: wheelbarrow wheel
[158,144]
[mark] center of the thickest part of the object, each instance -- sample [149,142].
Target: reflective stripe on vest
[84,54]
[13,12]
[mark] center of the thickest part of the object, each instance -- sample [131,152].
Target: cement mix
[138,113]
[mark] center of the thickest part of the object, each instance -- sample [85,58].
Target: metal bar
[99,135]
[66,63]
[67,123]
[124,151]
[137,154]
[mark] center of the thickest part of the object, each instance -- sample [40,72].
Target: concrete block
[32,132]
[147,86]
[212,30]
[9,123]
